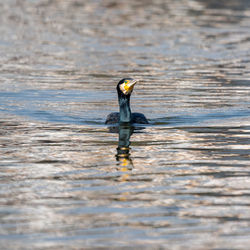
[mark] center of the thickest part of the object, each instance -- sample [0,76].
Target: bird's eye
[126,81]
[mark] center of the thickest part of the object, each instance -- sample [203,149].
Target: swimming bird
[124,90]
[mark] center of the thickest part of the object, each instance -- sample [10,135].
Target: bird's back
[114,117]
[139,118]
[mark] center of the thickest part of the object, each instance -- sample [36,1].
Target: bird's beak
[131,85]
[127,87]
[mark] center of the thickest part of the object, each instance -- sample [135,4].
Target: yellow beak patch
[127,87]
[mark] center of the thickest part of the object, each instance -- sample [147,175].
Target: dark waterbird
[124,90]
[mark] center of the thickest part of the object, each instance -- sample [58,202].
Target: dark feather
[136,118]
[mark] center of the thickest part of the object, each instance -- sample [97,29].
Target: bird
[124,91]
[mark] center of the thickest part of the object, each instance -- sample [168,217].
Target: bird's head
[126,86]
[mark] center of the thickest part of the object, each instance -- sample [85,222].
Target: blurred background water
[68,181]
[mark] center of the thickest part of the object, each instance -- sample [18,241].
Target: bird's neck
[125,112]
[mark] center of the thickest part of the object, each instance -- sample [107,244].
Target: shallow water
[68,181]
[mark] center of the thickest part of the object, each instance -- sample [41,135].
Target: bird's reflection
[125,130]
[123,155]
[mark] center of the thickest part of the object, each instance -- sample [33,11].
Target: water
[68,181]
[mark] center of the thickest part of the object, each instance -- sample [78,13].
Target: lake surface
[70,182]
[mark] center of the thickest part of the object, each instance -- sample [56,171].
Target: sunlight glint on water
[69,181]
